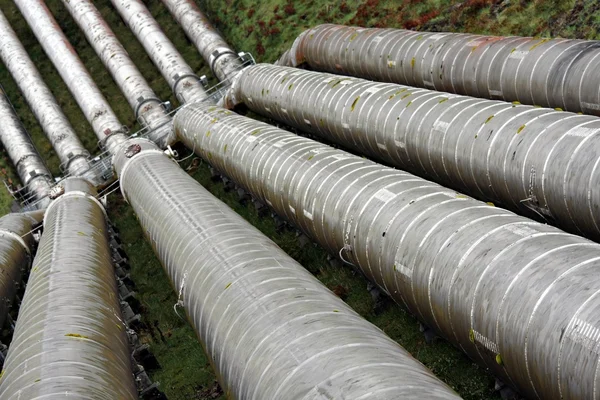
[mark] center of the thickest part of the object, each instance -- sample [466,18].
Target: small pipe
[180,76]
[148,108]
[221,58]
[109,130]
[70,340]
[27,161]
[73,156]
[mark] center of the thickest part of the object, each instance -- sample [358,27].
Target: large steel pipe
[148,108]
[220,57]
[27,161]
[96,109]
[73,156]
[16,241]
[270,328]
[539,162]
[537,71]
[180,76]
[519,297]
[70,339]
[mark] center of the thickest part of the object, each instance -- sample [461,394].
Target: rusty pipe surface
[16,253]
[32,171]
[179,75]
[107,127]
[519,297]
[73,156]
[542,163]
[148,108]
[269,327]
[70,339]
[537,71]
[219,56]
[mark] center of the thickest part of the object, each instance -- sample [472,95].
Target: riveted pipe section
[221,58]
[16,241]
[146,105]
[73,156]
[270,328]
[519,297]
[27,161]
[546,72]
[539,162]
[96,109]
[180,76]
[70,339]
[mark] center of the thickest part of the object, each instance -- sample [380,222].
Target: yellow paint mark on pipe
[354,103]
[489,119]
[521,128]
[412,62]
[76,335]
[229,284]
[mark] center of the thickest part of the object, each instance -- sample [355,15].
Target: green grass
[266,29]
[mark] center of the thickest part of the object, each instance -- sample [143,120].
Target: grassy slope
[267,28]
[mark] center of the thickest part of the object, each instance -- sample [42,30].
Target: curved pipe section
[222,59]
[519,297]
[73,156]
[180,76]
[270,328]
[542,163]
[545,72]
[106,125]
[70,339]
[144,102]
[27,161]
[16,241]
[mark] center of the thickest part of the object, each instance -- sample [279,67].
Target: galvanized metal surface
[69,340]
[27,161]
[519,297]
[96,109]
[73,156]
[270,328]
[539,162]
[16,241]
[220,57]
[537,71]
[180,76]
[145,103]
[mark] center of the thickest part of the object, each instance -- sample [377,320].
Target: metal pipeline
[222,59]
[539,162]
[27,161]
[545,72]
[73,156]
[270,328]
[96,109]
[519,297]
[148,108]
[16,240]
[180,76]
[70,339]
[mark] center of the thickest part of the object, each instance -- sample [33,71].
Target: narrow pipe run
[519,297]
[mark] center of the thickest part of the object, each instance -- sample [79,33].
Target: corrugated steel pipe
[537,71]
[73,156]
[220,57]
[179,75]
[540,162]
[70,339]
[148,108]
[16,241]
[27,161]
[96,109]
[270,328]
[519,297]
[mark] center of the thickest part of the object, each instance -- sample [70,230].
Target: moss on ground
[266,29]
